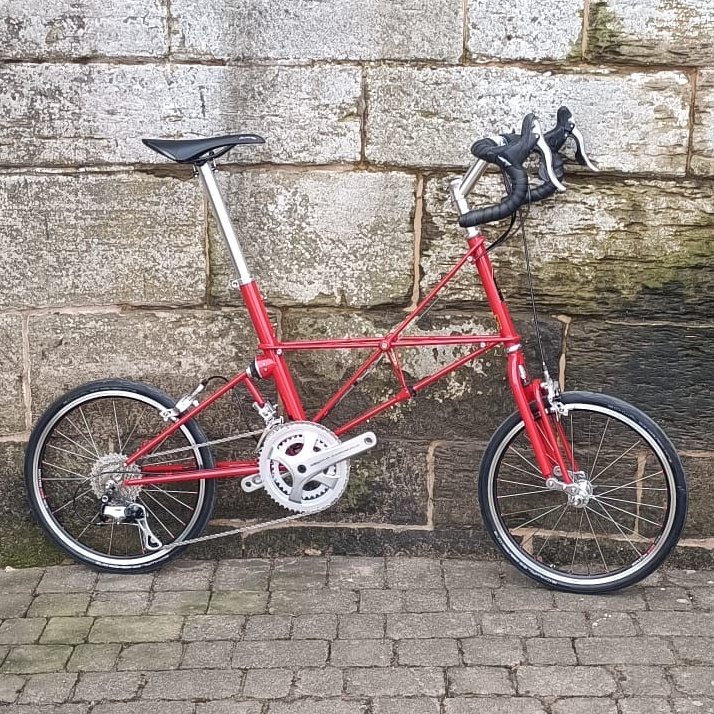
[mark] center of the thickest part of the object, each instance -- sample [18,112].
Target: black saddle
[198,151]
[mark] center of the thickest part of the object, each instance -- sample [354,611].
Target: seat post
[210,188]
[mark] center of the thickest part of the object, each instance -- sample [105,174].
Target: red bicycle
[581,491]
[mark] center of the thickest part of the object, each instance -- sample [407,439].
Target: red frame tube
[271,363]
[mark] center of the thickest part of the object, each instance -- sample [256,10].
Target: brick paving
[350,636]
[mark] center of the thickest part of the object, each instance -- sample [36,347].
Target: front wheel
[80,442]
[631,507]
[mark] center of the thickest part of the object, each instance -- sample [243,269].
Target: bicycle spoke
[622,510]
[526,510]
[527,485]
[171,513]
[524,493]
[157,519]
[630,483]
[553,529]
[523,471]
[607,517]
[83,435]
[577,538]
[612,463]
[62,468]
[597,543]
[533,520]
[89,431]
[637,503]
[602,439]
[71,500]
[536,470]
[71,453]
[116,421]
[76,443]
[173,498]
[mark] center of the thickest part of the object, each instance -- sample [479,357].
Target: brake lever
[547,154]
[580,156]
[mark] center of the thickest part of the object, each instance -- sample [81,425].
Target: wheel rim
[91,427]
[621,530]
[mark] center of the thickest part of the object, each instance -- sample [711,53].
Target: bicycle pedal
[252,483]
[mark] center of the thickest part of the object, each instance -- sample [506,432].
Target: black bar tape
[547,188]
[497,211]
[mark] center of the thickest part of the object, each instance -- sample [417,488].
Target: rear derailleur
[132,513]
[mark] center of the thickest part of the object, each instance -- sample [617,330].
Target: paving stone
[267,30]
[124,582]
[361,627]
[398,705]
[267,683]
[565,624]
[696,706]
[703,598]
[551,650]
[401,130]
[565,681]
[643,681]
[23,631]
[470,599]
[349,573]
[191,602]
[361,653]
[313,601]
[620,624]
[229,707]
[380,601]
[428,653]
[411,573]
[119,603]
[31,659]
[513,599]
[519,34]
[10,686]
[3,653]
[237,602]
[673,623]
[280,653]
[667,598]
[94,658]
[690,578]
[150,656]
[185,575]
[147,708]
[693,650]
[299,574]
[623,650]
[212,654]
[524,624]
[107,686]
[268,627]
[432,625]
[213,627]
[315,627]
[324,682]
[248,574]
[392,682]
[479,680]
[419,600]
[504,651]
[66,630]
[14,605]
[67,579]
[584,705]
[623,601]
[316,706]
[645,705]
[57,605]
[697,681]
[192,684]
[136,629]
[22,580]
[48,688]
[488,705]
[468,574]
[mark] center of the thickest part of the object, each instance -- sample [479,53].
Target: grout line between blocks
[26,376]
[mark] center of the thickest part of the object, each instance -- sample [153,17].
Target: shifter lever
[547,154]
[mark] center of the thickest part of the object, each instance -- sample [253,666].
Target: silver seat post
[210,188]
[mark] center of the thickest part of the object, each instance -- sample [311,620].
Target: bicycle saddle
[198,151]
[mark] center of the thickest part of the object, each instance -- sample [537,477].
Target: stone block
[121,603]
[523,31]
[361,653]
[248,574]
[319,238]
[565,681]
[48,688]
[634,31]
[150,656]
[107,686]
[59,605]
[432,625]
[213,627]
[315,627]
[268,30]
[479,680]
[703,125]
[59,114]
[12,418]
[493,651]
[238,602]
[622,248]
[170,349]
[192,684]
[267,683]
[100,239]
[191,602]
[87,29]
[10,686]
[408,573]
[93,658]
[399,705]
[394,681]
[325,682]
[623,650]
[207,655]
[22,580]
[298,574]
[493,705]
[353,573]
[455,105]
[21,631]
[268,627]
[424,653]
[310,602]
[131,628]
[361,626]
[661,369]
[280,653]
[66,630]
[31,659]
[523,624]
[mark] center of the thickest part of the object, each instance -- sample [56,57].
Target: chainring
[277,459]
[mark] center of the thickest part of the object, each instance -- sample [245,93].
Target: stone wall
[112,266]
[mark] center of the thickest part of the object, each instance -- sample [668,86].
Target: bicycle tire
[37,484]
[516,546]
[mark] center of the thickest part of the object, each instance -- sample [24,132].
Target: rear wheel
[631,507]
[80,442]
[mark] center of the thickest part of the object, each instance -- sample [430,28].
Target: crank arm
[322,461]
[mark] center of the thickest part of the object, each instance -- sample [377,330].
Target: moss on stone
[604,31]
[24,546]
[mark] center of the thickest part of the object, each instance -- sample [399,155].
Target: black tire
[557,539]
[147,400]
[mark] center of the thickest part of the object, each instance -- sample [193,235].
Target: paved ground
[350,636]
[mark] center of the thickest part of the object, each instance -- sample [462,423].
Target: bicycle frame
[550,445]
